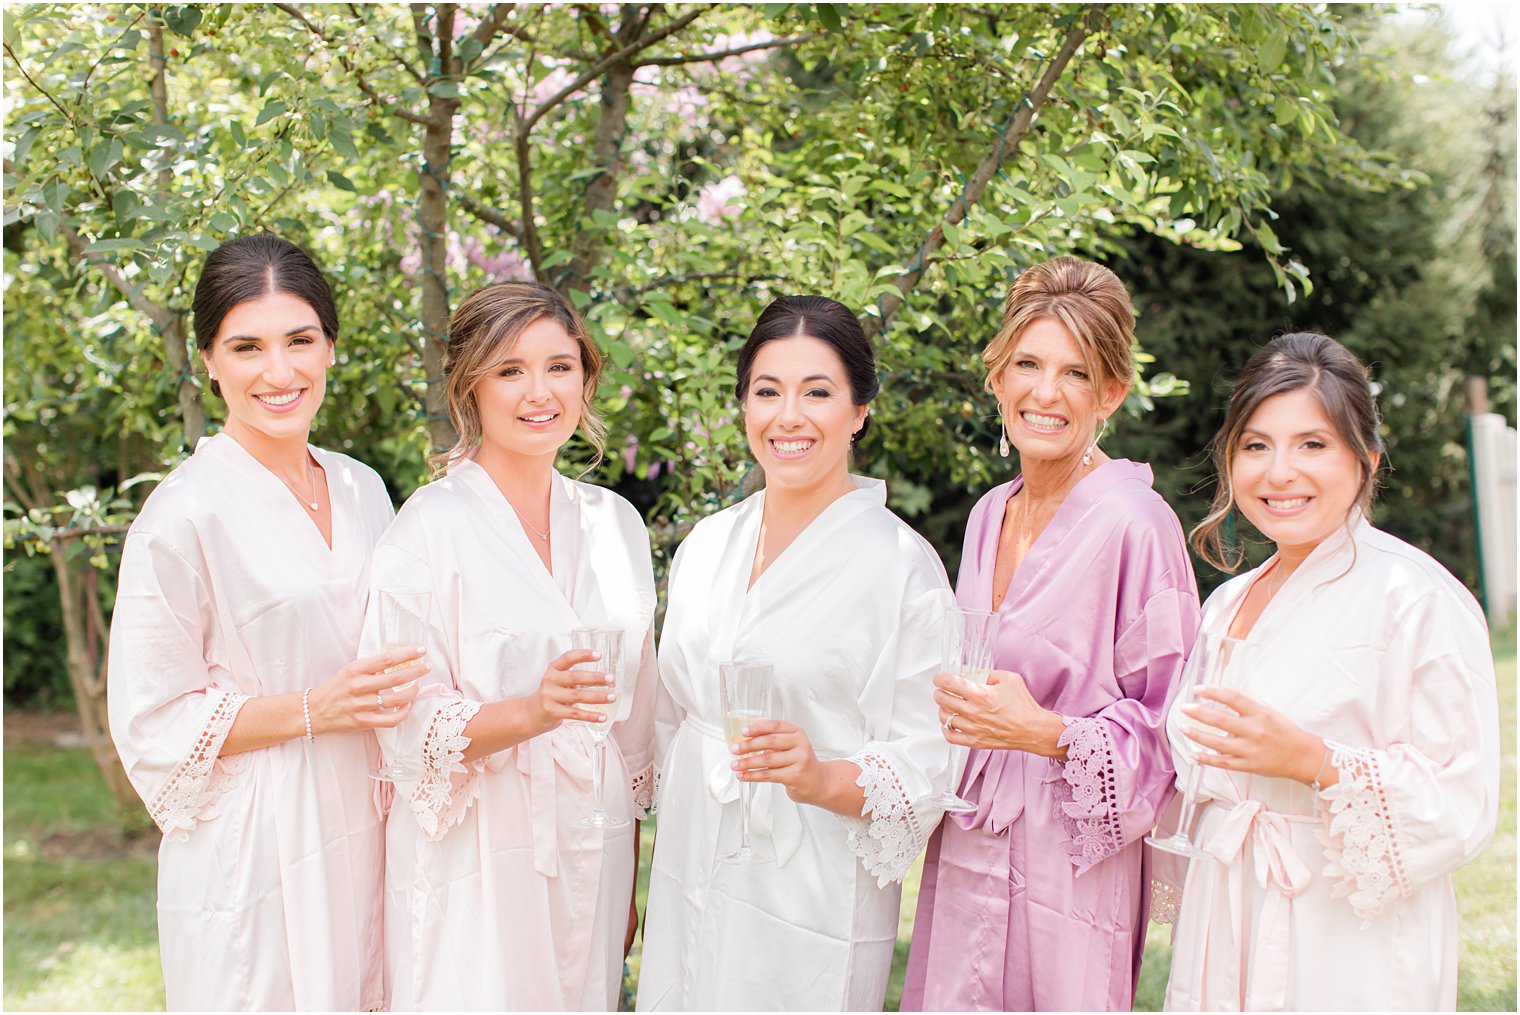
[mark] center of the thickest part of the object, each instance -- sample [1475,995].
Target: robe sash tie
[1284,875]
[985,772]
[775,813]
[567,749]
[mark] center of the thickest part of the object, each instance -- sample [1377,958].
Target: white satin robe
[493,899]
[1345,901]
[851,616]
[271,865]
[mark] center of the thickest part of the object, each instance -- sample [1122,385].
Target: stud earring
[1003,448]
[1087,456]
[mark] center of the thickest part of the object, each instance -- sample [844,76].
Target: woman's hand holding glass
[365,695]
[563,692]
[1000,714]
[1256,739]
[773,750]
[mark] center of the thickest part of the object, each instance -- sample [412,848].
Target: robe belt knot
[1279,870]
[775,814]
[567,748]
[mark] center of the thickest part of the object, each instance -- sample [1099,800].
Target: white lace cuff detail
[890,838]
[643,786]
[1166,901]
[189,796]
[1362,842]
[438,801]
[1086,791]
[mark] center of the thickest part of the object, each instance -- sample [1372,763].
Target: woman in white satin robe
[816,576]
[494,898]
[1359,758]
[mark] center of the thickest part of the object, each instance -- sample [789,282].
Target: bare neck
[524,480]
[793,508]
[1048,481]
[285,456]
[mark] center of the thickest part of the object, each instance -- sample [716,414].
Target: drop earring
[1003,448]
[1087,456]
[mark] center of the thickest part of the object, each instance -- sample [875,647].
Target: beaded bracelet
[306,711]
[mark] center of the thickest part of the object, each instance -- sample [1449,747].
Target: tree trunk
[602,191]
[432,213]
[87,634]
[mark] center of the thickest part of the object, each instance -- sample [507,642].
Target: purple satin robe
[1037,901]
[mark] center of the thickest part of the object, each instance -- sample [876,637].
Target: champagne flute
[403,624]
[1216,661]
[746,692]
[970,636]
[607,643]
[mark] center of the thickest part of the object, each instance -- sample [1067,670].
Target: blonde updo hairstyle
[482,332]
[1089,301]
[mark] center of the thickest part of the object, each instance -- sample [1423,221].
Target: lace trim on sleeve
[1166,901]
[190,794]
[1085,792]
[438,801]
[643,785]
[1362,843]
[890,838]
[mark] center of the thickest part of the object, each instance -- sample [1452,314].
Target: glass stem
[1190,803]
[746,792]
[598,755]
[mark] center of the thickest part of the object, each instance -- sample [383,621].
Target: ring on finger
[379,701]
[950,722]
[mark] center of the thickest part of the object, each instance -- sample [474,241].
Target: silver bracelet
[1321,771]
[306,711]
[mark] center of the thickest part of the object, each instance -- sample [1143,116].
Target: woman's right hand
[370,693]
[562,690]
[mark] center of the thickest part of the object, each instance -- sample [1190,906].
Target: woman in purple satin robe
[1036,900]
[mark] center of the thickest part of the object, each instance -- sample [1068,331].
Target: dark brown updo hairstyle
[249,267]
[1301,361]
[482,332]
[832,323]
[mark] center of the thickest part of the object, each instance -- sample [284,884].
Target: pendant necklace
[527,524]
[310,503]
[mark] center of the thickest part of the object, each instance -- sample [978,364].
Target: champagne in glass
[746,692]
[970,637]
[607,643]
[1216,661]
[403,624]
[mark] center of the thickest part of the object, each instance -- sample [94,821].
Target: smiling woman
[499,896]
[814,576]
[235,701]
[1356,762]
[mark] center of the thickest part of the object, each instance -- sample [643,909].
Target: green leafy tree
[670,167]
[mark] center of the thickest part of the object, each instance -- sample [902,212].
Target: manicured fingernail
[733,748]
[734,764]
[612,696]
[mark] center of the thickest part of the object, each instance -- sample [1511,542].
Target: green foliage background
[674,167]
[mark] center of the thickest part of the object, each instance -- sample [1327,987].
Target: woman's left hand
[1257,739]
[780,752]
[1001,714]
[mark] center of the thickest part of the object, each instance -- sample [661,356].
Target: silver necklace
[527,524]
[309,502]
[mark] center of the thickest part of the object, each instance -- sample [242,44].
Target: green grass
[80,933]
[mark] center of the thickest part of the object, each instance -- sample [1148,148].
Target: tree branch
[601,66]
[161,316]
[391,106]
[401,61]
[723,54]
[489,215]
[1008,141]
